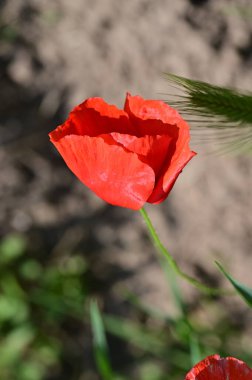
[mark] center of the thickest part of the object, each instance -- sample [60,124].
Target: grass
[47,325]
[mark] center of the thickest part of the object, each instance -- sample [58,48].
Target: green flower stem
[173,264]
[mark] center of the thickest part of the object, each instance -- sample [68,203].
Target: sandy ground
[65,51]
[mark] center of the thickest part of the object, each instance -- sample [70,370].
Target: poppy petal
[152,150]
[216,368]
[94,117]
[178,159]
[67,128]
[114,174]
[151,117]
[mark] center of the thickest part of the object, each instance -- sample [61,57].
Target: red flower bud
[216,368]
[127,157]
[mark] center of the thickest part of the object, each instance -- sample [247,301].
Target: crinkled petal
[93,117]
[216,368]
[151,117]
[179,157]
[114,174]
[153,150]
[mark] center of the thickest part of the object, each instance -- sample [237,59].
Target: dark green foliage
[45,324]
[100,343]
[39,303]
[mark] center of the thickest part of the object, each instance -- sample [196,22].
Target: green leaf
[15,344]
[100,343]
[13,309]
[31,269]
[241,289]
[11,287]
[226,112]
[11,247]
[31,370]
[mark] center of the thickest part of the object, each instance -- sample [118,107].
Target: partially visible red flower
[127,157]
[216,368]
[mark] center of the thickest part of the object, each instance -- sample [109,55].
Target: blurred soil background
[60,244]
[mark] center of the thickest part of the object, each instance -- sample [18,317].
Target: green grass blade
[174,287]
[244,291]
[222,110]
[100,343]
[195,351]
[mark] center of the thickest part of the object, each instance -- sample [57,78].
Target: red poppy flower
[127,157]
[216,368]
